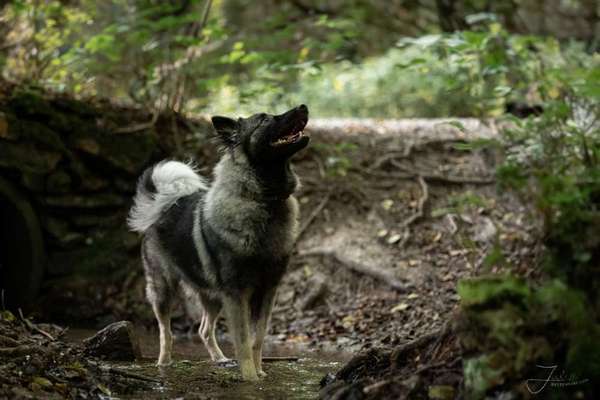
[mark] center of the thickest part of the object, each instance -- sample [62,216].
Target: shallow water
[193,376]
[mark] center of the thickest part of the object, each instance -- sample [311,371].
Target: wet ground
[193,376]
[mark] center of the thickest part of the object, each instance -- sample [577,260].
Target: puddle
[193,375]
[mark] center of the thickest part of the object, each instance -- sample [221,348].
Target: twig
[422,200]
[453,226]
[436,365]
[32,327]
[418,214]
[412,345]
[17,351]
[131,375]
[390,156]
[314,214]
[431,177]
[375,386]
[8,341]
[436,345]
[139,127]
[320,165]
[379,273]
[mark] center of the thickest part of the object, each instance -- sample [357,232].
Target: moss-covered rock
[28,157]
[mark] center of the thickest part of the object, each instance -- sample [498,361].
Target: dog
[225,244]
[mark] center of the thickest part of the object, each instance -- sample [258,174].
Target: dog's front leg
[262,322]
[238,314]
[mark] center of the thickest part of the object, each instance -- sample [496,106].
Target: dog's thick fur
[227,244]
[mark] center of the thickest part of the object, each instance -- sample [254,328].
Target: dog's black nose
[302,107]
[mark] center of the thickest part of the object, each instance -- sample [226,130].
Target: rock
[57,228]
[28,157]
[126,152]
[484,230]
[58,182]
[116,342]
[33,181]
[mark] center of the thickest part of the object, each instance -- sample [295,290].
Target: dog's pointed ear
[226,128]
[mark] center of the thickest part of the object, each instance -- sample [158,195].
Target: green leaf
[479,291]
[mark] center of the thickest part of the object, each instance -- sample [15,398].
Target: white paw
[164,362]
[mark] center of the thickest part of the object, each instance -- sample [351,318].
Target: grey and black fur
[225,245]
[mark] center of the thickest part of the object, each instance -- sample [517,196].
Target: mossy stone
[27,157]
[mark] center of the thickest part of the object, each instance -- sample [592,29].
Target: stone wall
[74,165]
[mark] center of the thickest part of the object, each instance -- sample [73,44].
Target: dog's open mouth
[291,136]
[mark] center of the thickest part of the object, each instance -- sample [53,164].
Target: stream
[193,375]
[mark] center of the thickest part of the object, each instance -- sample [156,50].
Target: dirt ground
[422,215]
[390,223]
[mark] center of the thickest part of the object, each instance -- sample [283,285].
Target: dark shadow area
[21,249]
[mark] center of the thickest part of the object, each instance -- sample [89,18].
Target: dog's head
[265,138]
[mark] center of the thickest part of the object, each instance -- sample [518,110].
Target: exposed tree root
[433,177]
[379,273]
[32,327]
[317,210]
[418,214]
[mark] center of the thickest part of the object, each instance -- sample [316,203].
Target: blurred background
[344,58]
[450,206]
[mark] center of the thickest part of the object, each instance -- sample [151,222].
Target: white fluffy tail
[159,188]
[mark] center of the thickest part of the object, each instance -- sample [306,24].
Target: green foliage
[514,327]
[479,292]
[338,157]
[552,161]
[186,55]
[469,73]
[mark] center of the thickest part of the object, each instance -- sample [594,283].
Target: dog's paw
[164,363]
[261,373]
[226,363]
[250,377]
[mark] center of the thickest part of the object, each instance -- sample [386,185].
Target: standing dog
[224,244]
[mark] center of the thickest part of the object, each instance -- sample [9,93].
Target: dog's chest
[272,229]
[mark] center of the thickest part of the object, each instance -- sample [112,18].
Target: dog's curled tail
[159,187]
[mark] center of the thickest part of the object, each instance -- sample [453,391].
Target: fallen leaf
[42,382]
[399,307]
[441,392]
[387,204]
[394,238]
[104,389]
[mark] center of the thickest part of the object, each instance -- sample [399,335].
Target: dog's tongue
[289,138]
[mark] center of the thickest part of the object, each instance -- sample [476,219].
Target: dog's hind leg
[160,295]
[212,310]
[238,316]
[262,305]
